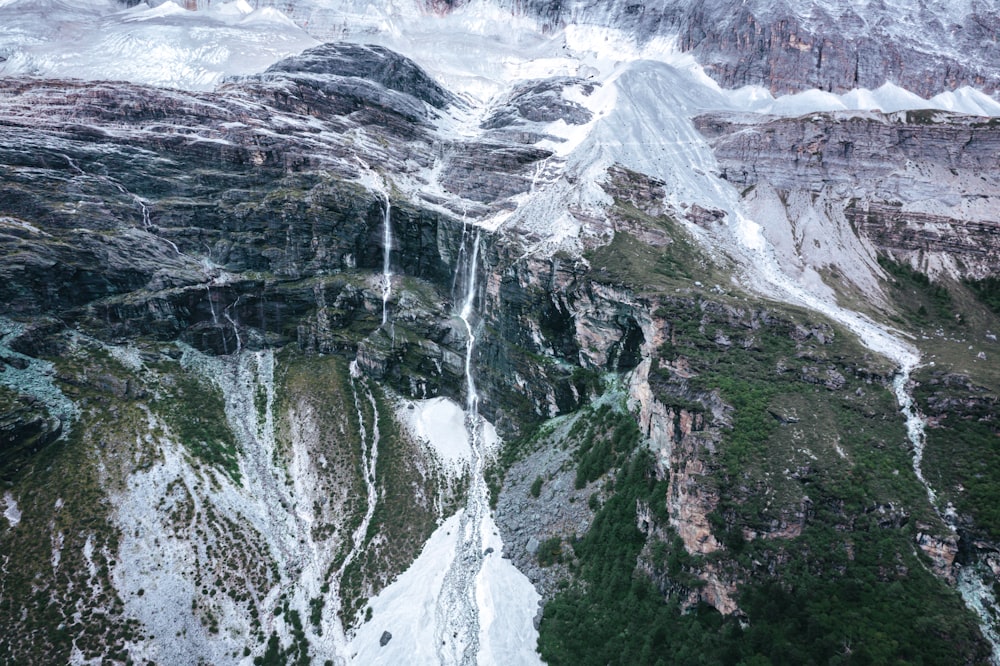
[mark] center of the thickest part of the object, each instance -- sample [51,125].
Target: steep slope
[927,47]
[240,327]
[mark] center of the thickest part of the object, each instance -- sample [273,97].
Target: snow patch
[269,17]
[407,608]
[11,513]
[145,12]
[439,423]
[165,45]
[508,603]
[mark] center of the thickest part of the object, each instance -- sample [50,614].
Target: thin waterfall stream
[458,622]
[386,259]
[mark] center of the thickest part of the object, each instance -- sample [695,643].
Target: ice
[164,45]
[890,97]
[440,423]
[407,608]
[508,603]
[643,100]
[146,13]
[966,100]
[11,513]
[269,17]
[810,101]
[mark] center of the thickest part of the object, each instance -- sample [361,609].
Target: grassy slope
[850,588]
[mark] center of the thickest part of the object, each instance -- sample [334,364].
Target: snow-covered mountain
[492,332]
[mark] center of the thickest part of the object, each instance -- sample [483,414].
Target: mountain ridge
[222,306]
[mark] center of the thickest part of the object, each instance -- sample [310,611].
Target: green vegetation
[536,487]
[605,442]
[405,520]
[962,451]
[926,301]
[629,261]
[196,411]
[957,388]
[615,615]
[634,262]
[550,551]
[50,605]
[822,554]
[988,291]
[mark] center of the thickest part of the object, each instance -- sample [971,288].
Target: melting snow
[11,513]
[439,423]
[407,609]
[642,106]
[164,45]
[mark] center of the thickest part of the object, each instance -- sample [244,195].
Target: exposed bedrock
[921,186]
[834,45]
[789,47]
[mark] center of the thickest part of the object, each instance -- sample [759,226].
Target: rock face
[199,281]
[374,64]
[918,186]
[792,46]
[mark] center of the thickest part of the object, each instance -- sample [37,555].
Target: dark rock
[486,172]
[384,639]
[371,62]
[788,49]
[541,102]
[14,362]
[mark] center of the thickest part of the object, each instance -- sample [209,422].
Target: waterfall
[914,428]
[974,580]
[458,621]
[386,258]
[975,584]
[472,397]
[232,322]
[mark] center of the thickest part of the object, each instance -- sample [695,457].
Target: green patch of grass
[925,300]
[962,449]
[550,551]
[196,411]
[987,290]
[627,260]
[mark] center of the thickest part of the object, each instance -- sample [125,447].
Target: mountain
[499,333]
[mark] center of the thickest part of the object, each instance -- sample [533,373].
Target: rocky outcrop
[541,101]
[918,186]
[941,551]
[560,510]
[487,172]
[25,429]
[789,47]
[376,64]
[902,234]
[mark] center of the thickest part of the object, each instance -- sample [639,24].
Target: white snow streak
[11,513]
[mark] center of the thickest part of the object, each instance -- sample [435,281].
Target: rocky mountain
[499,333]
